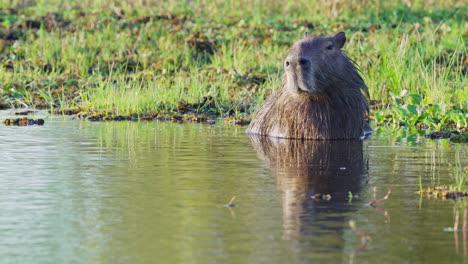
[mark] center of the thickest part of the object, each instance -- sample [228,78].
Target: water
[135,192]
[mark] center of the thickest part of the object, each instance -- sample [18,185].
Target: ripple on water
[74,191]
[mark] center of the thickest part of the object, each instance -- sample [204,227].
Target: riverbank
[198,61]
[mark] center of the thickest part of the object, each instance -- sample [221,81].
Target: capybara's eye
[329,47]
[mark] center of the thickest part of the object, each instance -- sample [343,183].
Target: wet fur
[336,109]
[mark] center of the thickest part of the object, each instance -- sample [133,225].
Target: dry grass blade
[231,204]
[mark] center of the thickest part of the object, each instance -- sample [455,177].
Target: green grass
[451,184]
[150,57]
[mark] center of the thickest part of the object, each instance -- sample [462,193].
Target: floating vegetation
[409,110]
[460,138]
[22,121]
[175,117]
[352,196]
[233,120]
[453,136]
[443,192]
[25,112]
[195,118]
[321,196]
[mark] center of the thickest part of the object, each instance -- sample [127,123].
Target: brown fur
[322,95]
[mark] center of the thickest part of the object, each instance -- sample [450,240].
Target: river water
[76,191]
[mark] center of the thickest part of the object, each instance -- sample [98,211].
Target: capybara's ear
[340,39]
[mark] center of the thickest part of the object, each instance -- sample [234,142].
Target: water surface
[150,192]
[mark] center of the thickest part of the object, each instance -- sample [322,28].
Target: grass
[456,190]
[222,58]
[456,187]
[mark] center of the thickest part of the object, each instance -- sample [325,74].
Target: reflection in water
[136,192]
[304,168]
[456,230]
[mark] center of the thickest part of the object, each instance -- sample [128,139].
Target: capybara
[322,95]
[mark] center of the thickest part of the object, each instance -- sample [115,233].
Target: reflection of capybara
[305,168]
[322,95]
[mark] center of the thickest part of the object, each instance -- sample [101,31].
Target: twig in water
[374,202]
[230,204]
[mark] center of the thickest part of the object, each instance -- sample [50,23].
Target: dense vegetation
[203,59]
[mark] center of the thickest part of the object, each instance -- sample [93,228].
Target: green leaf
[414,99]
[433,109]
[412,109]
[428,122]
[443,119]
[400,111]
[379,117]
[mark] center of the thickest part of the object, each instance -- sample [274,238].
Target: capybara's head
[315,64]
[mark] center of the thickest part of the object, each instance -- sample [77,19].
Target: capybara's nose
[301,62]
[304,62]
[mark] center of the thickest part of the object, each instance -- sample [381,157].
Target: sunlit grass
[135,57]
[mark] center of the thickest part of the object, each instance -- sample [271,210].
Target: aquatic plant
[457,189]
[408,110]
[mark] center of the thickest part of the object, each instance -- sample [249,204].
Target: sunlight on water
[137,192]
